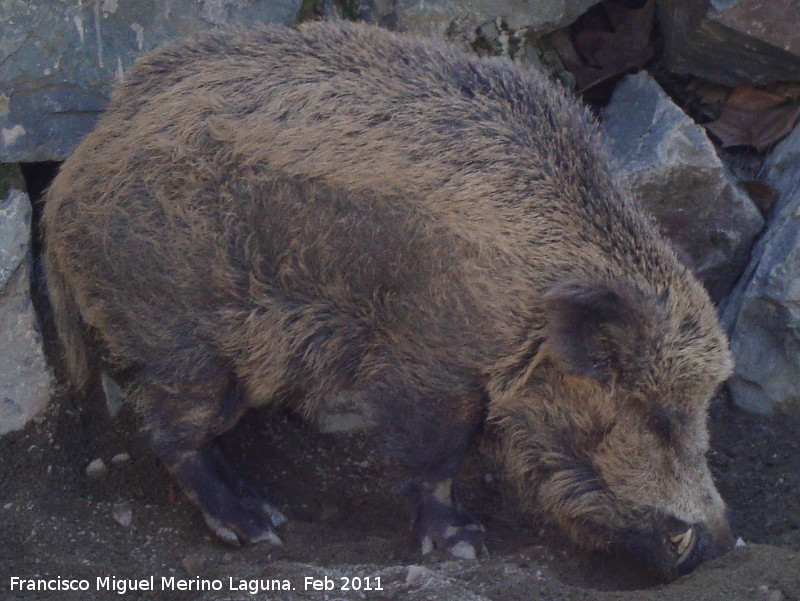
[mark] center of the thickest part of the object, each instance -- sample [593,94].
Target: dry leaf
[754,117]
[606,54]
[747,97]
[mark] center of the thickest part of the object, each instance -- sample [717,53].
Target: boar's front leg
[431,440]
[181,424]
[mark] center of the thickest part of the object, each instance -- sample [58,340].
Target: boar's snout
[674,548]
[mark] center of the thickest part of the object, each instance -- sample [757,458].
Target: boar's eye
[659,424]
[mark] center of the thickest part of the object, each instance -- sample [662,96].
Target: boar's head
[604,425]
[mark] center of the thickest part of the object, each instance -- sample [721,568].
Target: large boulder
[763,312]
[675,172]
[732,41]
[437,17]
[25,379]
[61,59]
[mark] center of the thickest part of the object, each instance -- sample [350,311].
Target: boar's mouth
[671,547]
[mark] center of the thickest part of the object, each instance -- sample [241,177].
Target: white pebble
[122,514]
[120,458]
[463,550]
[416,573]
[96,469]
[739,542]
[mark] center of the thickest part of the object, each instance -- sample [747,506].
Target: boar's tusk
[683,541]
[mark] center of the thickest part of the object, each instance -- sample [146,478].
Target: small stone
[194,564]
[769,594]
[113,393]
[7,506]
[344,413]
[739,542]
[122,514]
[427,545]
[464,550]
[120,458]
[417,573]
[96,469]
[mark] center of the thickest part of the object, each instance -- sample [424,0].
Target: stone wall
[61,59]
[25,379]
[764,311]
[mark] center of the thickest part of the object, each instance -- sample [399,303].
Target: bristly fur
[338,208]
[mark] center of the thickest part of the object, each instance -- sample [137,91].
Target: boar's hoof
[463,542]
[233,510]
[235,537]
[252,500]
[236,522]
[441,524]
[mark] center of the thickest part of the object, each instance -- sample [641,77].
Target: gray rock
[25,379]
[10,179]
[437,17]
[96,469]
[732,41]
[674,170]
[418,573]
[120,459]
[344,413]
[763,312]
[113,393]
[61,59]
[122,514]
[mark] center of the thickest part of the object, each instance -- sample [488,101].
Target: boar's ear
[598,330]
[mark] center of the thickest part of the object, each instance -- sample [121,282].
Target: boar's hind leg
[181,424]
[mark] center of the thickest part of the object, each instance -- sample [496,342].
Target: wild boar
[275,215]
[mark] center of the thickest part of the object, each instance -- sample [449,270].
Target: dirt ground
[348,522]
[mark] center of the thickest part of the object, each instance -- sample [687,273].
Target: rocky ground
[347,520]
